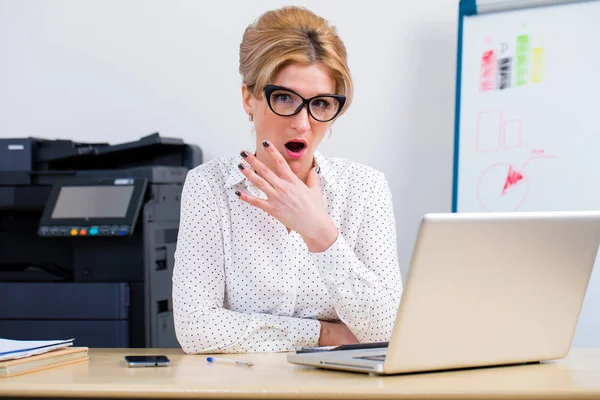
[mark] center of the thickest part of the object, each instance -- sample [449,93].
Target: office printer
[87,239]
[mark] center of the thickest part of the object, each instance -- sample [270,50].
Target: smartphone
[147,361]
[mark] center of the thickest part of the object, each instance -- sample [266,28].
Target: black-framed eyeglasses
[285,102]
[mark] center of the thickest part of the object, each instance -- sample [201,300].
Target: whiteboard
[528,134]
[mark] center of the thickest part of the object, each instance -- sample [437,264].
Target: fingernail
[237,193]
[244,154]
[266,144]
[318,170]
[240,166]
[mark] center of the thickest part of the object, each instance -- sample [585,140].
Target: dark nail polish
[266,144]
[240,166]
[244,154]
[318,170]
[237,193]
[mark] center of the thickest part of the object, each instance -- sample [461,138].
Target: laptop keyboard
[372,358]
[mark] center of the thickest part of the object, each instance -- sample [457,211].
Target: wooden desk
[106,376]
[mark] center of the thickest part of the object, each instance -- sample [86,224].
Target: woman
[282,248]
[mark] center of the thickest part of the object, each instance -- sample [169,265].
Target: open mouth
[295,146]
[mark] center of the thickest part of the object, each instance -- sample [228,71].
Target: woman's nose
[302,120]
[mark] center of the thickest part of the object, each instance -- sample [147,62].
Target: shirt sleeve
[202,325]
[364,280]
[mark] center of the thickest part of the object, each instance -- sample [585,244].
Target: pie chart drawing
[502,187]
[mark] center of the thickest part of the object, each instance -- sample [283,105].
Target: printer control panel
[93,207]
[102,230]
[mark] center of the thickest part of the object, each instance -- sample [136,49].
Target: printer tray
[95,314]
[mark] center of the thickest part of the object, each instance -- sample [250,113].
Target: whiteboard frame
[468,8]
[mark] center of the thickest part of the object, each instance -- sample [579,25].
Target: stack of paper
[11,349]
[21,356]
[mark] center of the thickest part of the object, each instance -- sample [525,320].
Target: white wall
[116,70]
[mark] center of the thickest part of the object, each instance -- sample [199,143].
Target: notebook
[11,349]
[50,359]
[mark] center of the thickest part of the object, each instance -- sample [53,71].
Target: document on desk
[12,349]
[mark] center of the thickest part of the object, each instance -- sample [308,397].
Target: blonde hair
[292,35]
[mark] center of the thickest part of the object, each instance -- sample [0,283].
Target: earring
[250,117]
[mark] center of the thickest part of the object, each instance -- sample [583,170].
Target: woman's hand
[297,205]
[335,333]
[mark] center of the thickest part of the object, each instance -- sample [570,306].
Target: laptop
[483,289]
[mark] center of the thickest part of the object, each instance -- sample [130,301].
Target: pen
[229,361]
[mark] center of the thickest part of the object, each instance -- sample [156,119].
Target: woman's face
[298,136]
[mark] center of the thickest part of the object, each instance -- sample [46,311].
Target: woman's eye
[284,98]
[321,103]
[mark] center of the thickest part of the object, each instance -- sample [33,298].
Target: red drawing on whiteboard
[488,131]
[504,186]
[487,77]
[494,133]
[512,133]
[512,178]
[493,192]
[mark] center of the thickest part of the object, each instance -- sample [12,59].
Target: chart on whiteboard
[518,145]
[509,61]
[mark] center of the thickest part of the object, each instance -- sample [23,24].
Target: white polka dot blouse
[241,283]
